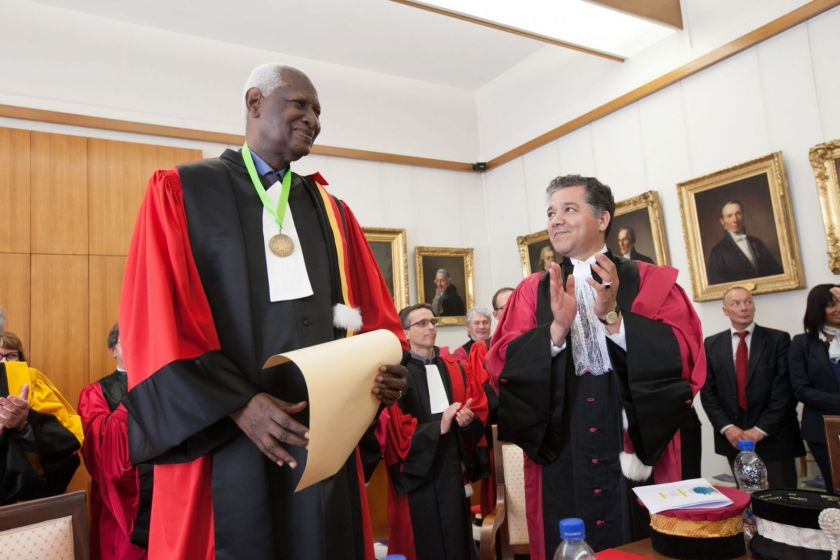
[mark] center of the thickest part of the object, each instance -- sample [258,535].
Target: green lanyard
[286,185]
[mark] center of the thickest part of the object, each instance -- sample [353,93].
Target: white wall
[67,61]
[779,95]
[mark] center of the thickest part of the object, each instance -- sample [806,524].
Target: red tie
[741,365]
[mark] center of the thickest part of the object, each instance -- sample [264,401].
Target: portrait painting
[535,252]
[638,232]
[738,229]
[445,281]
[825,160]
[389,249]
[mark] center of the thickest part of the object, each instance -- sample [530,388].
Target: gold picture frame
[452,307]
[530,250]
[825,159]
[759,188]
[391,253]
[642,214]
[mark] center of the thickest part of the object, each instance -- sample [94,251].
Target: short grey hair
[477,311]
[266,78]
[444,272]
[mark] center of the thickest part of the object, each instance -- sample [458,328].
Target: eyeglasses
[423,323]
[12,356]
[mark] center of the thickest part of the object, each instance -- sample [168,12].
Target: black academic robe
[430,512]
[570,426]
[197,325]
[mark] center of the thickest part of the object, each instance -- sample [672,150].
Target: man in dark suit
[748,395]
[738,256]
[627,245]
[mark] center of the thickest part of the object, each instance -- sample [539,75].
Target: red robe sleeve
[105,451]
[169,339]
[520,316]
[180,384]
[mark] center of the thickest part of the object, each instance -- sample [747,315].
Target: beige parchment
[339,377]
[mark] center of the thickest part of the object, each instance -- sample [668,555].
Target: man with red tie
[748,395]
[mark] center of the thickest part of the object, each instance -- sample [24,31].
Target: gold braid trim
[697,529]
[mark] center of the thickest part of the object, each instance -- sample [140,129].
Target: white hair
[266,78]
[444,272]
[477,311]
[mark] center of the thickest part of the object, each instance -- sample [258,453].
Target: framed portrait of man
[389,249]
[445,281]
[825,160]
[738,229]
[535,252]
[637,232]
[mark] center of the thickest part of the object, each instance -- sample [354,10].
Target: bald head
[739,307]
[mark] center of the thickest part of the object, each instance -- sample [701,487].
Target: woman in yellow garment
[40,432]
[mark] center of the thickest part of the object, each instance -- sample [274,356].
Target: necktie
[741,365]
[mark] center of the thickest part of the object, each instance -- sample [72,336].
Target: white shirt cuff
[723,430]
[557,349]
[619,338]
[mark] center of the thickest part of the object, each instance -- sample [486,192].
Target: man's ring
[399,394]
[607,285]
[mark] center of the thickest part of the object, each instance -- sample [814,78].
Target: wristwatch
[611,318]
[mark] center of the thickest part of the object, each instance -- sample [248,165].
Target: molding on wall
[754,37]
[778,25]
[71,119]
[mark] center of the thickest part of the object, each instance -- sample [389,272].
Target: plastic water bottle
[574,546]
[751,475]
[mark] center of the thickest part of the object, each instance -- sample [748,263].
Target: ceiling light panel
[573,21]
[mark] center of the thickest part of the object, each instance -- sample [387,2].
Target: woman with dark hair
[815,370]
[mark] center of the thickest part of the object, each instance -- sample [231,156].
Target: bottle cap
[572,528]
[395,557]
[746,445]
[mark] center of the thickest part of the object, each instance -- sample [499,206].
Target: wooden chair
[507,522]
[832,440]
[45,529]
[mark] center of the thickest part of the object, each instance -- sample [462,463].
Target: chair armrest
[490,525]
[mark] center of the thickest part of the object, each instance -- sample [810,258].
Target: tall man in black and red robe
[597,364]
[233,260]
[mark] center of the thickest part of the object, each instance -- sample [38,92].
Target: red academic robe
[114,495]
[186,290]
[478,353]
[657,299]
[428,513]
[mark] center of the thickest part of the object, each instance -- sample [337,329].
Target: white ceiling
[375,35]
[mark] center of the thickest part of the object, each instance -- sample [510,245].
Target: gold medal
[281,245]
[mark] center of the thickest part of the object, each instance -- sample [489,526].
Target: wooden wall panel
[59,333]
[59,210]
[14,293]
[14,190]
[106,275]
[117,177]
